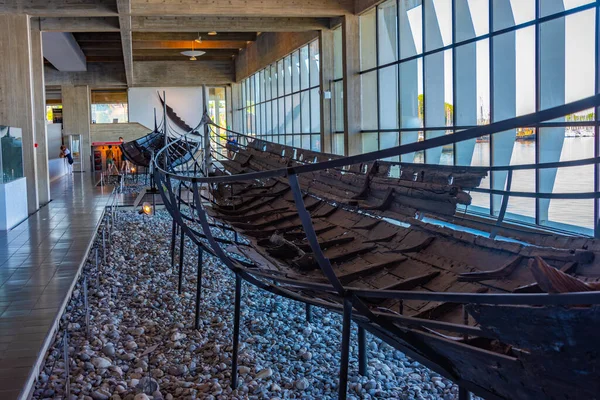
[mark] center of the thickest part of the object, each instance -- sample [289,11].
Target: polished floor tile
[39,260]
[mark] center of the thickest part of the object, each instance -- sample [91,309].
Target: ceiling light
[192,54]
[198,39]
[212,33]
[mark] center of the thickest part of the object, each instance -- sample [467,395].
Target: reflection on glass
[11,143]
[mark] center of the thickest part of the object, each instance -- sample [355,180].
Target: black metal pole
[308,313]
[199,287]
[463,394]
[345,356]
[181,247]
[236,330]
[173,238]
[362,351]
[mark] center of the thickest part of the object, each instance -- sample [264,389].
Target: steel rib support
[173,238]
[236,330]
[362,351]
[181,251]
[463,394]
[199,287]
[345,352]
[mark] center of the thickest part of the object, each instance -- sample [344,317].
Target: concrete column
[76,119]
[327,66]
[504,82]
[409,80]
[552,94]
[352,93]
[16,93]
[39,106]
[466,80]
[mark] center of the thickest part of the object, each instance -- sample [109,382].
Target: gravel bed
[142,344]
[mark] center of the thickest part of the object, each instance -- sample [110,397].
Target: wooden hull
[368,228]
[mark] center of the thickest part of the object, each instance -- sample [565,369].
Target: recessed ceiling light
[212,33]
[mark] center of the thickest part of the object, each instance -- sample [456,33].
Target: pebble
[264,373]
[142,343]
[100,362]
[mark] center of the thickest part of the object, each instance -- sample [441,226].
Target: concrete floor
[39,261]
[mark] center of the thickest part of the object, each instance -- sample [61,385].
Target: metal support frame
[463,394]
[345,352]
[66,361]
[362,351]
[86,306]
[104,243]
[173,238]
[199,287]
[236,330]
[181,255]
[309,313]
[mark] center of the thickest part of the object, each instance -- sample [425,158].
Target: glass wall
[109,106]
[435,67]
[281,102]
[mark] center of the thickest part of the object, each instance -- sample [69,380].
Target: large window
[281,103]
[109,106]
[435,67]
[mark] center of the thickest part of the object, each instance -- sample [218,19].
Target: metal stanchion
[199,288]
[309,314]
[104,243]
[345,356]
[97,267]
[362,351]
[236,330]
[181,249]
[86,306]
[66,360]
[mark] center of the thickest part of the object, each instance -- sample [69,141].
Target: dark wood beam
[74,24]
[187,44]
[99,45]
[98,37]
[234,36]
[177,52]
[103,52]
[181,58]
[105,59]
[227,24]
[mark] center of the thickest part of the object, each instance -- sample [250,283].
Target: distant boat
[525,134]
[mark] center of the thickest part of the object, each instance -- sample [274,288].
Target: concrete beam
[226,24]
[361,6]
[97,75]
[269,47]
[177,73]
[124,7]
[60,8]
[72,24]
[62,50]
[244,8]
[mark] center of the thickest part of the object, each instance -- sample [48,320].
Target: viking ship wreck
[506,313]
